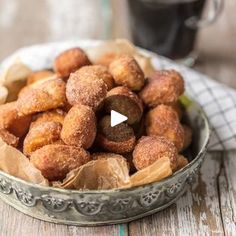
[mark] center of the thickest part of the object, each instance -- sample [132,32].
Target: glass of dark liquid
[169,27]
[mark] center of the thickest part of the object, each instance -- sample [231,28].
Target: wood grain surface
[209,207]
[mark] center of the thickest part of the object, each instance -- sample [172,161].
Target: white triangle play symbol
[117,118]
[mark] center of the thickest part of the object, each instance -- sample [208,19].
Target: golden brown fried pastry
[69,61]
[94,72]
[39,75]
[117,139]
[11,120]
[126,71]
[79,127]
[56,115]
[188,133]
[9,138]
[56,161]
[36,85]
[85,91]
[41,135]
[181,162]
[123,100]
[163,87]
[106,59]
[151,148]
[49,95]
[164,121]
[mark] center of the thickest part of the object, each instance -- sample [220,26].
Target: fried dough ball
[117,139]
[9,138]
[56,161]
[94,72]
[36,85]
[41,135]
[126,71]
[39,75]
[106,59]
[164,121]
[12,120]
[49,95]
[181,162]
[56,115]
[79,127]
[69,61]
[163,87]
[84,91]
[188,133]
[151,148]
[123,100]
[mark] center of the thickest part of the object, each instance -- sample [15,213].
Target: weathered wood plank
[13,223]
[196,213]
[227,189]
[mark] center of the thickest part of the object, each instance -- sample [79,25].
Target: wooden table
[209,208]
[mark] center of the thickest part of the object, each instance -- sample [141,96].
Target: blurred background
[24,22]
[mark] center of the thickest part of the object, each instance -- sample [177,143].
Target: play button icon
[117,118]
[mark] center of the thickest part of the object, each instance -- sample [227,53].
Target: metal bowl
[108,206]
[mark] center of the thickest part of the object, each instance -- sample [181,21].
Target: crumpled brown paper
[155,172]
[103,173]
[110,173]
[15,163]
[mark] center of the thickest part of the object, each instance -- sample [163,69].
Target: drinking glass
[169,27]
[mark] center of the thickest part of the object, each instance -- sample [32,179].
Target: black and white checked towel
[217,100]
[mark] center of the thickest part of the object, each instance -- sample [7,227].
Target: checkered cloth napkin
[217,100]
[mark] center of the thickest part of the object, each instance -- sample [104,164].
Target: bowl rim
[119,190]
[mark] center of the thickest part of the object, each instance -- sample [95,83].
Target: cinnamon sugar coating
[56,161]
[69,61]
[95,72]
[151,148]
[163,87]
[164,121]
[12,120]
[56,115]
[40,135]
[49,95]
[126,71]
[79,127]
[85,91]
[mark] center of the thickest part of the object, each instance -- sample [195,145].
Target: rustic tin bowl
[109,206]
